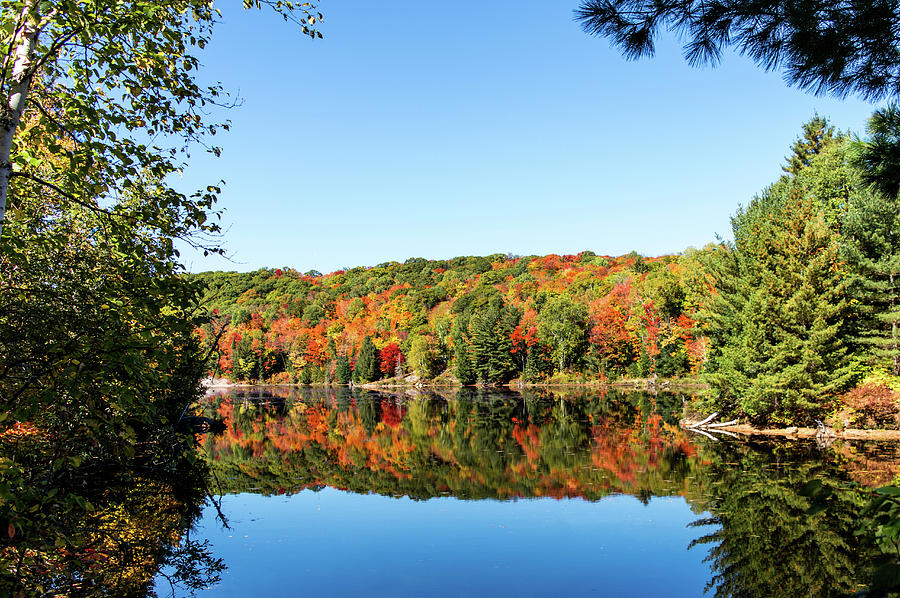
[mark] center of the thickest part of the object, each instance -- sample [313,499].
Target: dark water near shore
[346,493]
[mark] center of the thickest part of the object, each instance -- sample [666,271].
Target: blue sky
[417,129]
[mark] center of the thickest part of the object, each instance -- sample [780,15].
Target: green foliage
[817,135]
[465,373]
[779,323]
[98,355]
[490,324]
[879,155]
[563,328]
[366,368]
[824,46]
[343,373]
[872,241]
[672,361]
[872,249]
[421,356]
[767,542]
[640,264]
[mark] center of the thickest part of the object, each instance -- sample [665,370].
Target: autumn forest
[780,323]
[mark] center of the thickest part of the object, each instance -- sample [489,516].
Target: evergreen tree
[342,371]
[817,135]
[831,46]
[880,154]
[779,322]
[465,373]
[491,345]
[366,369]
[872,248]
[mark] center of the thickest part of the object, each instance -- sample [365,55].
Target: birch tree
[110,90]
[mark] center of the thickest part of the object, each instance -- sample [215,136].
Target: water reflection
[472,445]
[101,527]
[502,446]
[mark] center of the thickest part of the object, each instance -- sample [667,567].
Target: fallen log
[703,422]
[722,424]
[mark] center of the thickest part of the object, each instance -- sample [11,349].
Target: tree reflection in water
[102,527]
[97,529]
[766,543]
[481,444]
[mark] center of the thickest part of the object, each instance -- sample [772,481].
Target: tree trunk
[20,84]
[894,353]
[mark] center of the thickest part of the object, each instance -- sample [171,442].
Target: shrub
[873,406]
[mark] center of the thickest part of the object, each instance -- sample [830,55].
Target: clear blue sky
[426,129]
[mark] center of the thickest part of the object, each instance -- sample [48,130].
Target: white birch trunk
[20,83]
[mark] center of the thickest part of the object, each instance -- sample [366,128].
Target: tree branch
[69,196]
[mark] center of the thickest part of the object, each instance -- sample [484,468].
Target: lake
[344,492]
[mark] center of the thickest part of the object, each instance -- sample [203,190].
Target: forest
[104,337]
[800,308]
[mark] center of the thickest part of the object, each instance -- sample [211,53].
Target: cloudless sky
[428,129]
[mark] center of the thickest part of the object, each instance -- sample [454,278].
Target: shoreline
[411,382]
[797,433]
[647,385]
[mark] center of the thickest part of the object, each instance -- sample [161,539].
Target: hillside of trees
[782,321]
[483,320]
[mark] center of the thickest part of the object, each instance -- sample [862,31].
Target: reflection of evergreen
[766,544]
[480,444]
[368,413]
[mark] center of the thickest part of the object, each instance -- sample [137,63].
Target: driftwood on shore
[733,428]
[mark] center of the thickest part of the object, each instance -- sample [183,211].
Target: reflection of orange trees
[870,464]
[424,448]
[628,454]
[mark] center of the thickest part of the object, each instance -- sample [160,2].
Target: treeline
[473,320]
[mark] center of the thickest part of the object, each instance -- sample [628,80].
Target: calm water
[340,493]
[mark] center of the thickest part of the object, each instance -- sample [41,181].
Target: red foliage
[392,414]
[875,405]
[610,333]
[651,321]
[390,356]
[523,339]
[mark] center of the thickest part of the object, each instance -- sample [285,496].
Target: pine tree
[366,369]
[817,135]
[491,345]
[872,248]
[465,373]
[880,154]
[780,317]
[342,371]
